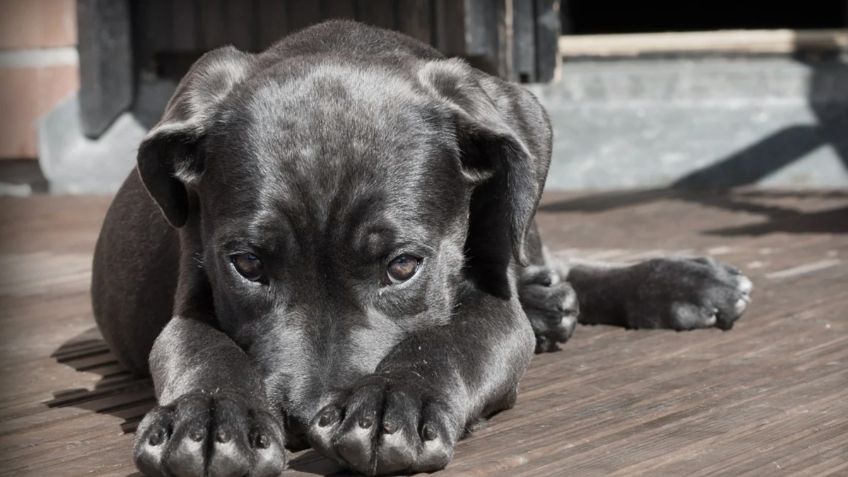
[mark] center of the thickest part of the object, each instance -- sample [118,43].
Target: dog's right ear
[169,157]
[496,125]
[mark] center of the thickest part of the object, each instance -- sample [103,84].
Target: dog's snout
[295,425]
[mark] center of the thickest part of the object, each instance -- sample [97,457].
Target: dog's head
[333,209]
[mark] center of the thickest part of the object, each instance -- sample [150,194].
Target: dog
[332,244]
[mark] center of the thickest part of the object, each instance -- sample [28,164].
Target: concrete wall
[707,122]
[699,122]
[38,68]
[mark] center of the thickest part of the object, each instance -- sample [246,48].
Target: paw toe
[384,427]
[354,447]
[185,457]
[395,452]
[228,459]
[436,441]
[552,311]
[270,454]
[322,430]
[202,435]
[740,306]
[744,284]
[690,316]
[736,303]
[151,439]
[535,275]
[228,444]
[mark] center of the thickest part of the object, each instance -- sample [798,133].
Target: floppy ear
[504,139]
[168,157]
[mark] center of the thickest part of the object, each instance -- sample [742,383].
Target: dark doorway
[608,16]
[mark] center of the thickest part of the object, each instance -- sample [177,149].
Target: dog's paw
[550,304]
[685,294]
[209,435]
[387,425]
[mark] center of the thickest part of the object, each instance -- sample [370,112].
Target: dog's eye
[248,265]
[402,268]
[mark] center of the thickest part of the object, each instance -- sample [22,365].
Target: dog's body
[332,244]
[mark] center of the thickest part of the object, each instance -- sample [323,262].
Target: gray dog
[331,244]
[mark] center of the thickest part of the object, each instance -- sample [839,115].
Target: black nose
[294,427]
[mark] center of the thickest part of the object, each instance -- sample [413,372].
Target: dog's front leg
[213,417]
[408,415]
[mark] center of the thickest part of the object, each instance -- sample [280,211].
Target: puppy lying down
[331,244]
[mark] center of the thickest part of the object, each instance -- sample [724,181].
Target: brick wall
[38,68]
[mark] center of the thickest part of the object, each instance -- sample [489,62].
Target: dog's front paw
[550,304]
[387,425]
[685,294]
[204,434]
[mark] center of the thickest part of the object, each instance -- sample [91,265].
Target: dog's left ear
[504,139]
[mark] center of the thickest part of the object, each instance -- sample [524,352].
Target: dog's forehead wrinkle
[354,102]
[370,131]
[326,163]
[341,189]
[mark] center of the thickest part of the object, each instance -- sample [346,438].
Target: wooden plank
[728,41]
[242,24]
[184,31]
[484,28]
[338,9]
[767,396]
[506,40]
[213,24]
[303,13]
[450,27]
[548,56]
[272,21]
[415,19]
[379,13]
[524,41]
[490,35]
[105,63]
[159,25]
[566,26]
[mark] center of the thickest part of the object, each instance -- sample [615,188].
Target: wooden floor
[768,398]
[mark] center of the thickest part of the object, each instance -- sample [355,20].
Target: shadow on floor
[312,462]
[124,395]
[118,393]
[778,218]
[828,104]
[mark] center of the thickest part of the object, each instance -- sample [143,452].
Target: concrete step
[700,122]
[705,122]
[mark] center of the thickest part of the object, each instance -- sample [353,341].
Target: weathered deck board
[769,397]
